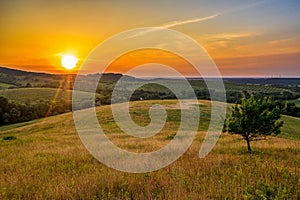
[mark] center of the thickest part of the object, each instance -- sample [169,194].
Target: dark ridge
[17,72]
[292,82]
[104,77]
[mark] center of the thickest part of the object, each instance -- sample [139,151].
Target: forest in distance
[25,96]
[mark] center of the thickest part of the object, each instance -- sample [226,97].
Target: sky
[245,38]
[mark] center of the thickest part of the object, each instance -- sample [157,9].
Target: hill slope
[48,160]
[291,128]
[22,95]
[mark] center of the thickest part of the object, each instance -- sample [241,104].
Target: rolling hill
[19,78]
[4,86]
[22,95]
[45,159]
[27,88]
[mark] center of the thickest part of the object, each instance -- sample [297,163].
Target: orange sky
[244,38]
[137,58]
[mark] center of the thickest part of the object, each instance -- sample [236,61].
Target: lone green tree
[254,118]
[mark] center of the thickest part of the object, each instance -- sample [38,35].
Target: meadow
[297,102]
[23,95]
[45,159]
[4,86]
[25,104]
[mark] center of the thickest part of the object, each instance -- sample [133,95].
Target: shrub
[10,137]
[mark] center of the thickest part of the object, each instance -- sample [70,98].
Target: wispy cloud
[286,40]
[200,19]
[176,23]
[230,36]
[189,21]
[224,40]
[203,19]
[244,7]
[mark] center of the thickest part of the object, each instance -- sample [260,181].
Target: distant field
[199,84]
[291,128]
[254,88]
[297,102]
[4,86]
[22,95]
[34,94]
[48,161]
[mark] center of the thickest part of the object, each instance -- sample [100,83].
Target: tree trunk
[248,145]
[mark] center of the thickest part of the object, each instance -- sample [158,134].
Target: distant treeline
[13,112]
[277,82]
[278,99]
[281,90]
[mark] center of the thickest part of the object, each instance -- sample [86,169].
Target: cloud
[231,36]
[176,23]
[214,41]
[200,19]
[244,7]
[286,40]
[189,21]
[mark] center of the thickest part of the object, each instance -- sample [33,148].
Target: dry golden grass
[48,161]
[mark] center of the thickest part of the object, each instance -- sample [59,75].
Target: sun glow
[69,61]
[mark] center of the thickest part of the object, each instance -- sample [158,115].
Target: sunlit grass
[48,161]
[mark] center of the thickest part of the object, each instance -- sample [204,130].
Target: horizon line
[155,77]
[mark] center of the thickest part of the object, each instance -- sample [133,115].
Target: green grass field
[4,86]
[22,95]
[291,128]
[46,160]
[297,102]
[200,85]
[254,88]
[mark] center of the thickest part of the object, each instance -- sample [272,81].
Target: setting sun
[69,61]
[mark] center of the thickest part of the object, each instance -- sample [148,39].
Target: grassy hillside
[46,160]
[4,86]
[200,84]
[25,104]
[22,78]
[22,95]
[291,128]
[297,102]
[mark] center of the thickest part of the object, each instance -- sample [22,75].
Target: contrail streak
[183,22]
[176,23]
[195,20]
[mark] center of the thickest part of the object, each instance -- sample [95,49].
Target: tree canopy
[254,118]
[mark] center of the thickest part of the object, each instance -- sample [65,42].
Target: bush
[10,137]
[170,137]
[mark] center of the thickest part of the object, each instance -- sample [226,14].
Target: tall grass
[48,161]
